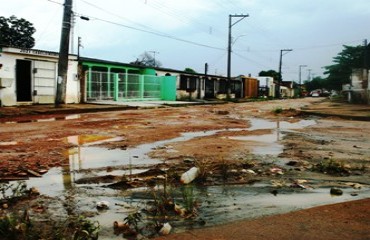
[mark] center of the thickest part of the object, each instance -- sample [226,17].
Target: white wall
[8,91]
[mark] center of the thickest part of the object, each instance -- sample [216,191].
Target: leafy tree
[316,83]
[340,72]
[269,73]
[16,32]
[189,70]
[148,60]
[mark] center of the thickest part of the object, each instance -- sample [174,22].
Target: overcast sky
[190,33]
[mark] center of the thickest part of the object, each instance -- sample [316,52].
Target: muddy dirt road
[252,159]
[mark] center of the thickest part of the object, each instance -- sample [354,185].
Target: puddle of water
[69,117]
[8,143]
[219,204]
[257,124]
[268,144]
[233,203]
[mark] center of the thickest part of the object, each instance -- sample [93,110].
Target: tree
[148,60]
[16,32]
[269,73]
[189,70]
[340,72]
[316,83]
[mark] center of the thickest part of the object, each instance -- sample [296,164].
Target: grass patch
[277,110]
[331,166]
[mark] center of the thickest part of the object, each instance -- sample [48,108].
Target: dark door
[23,79]
[210,89]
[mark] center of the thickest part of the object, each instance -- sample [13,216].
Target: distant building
[358,91]
[267,86]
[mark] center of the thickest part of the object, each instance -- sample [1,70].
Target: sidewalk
[325,108]
[87,107]
[344,110]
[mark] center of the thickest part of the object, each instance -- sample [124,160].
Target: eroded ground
[234,144]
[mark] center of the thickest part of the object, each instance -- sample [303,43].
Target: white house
[268,84]
[28,76]
[358,91]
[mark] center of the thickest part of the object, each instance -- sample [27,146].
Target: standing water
[218,204]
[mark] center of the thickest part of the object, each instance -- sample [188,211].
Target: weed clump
[277,110]
[332,166]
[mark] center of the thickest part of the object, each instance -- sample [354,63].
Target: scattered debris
[120,226]
[276,170]
[33,173]
[102,205]
[278,183]
[166,229]
[336,191]
[275,192]
[250,171]
[292,163]
[354,185]
[180,210]
[190,175]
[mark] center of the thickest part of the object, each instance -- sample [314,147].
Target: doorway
[23,80]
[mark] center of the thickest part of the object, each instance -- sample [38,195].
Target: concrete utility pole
[280,77]
[366,66]
[231,24]
[309,74]
[63,54]
[300,79]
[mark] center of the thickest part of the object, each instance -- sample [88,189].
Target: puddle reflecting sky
[268,144]
[225,204]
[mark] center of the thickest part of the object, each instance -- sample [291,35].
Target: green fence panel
[168,88]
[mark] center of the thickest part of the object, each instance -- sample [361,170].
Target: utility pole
[309,74]
[300,79]
[63,54]
[280,76]
[365,71]
[154,52]
[79,45]
[231,24]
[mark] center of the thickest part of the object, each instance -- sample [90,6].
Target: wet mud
[251,163]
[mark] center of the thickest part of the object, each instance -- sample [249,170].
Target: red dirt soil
[350,220]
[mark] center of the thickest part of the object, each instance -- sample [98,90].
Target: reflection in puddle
[231,203]
[8,143]
[88,157]
[268,144]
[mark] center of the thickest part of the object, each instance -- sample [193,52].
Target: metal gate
[44,75]
[122,86]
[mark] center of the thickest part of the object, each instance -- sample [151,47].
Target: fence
[122,86]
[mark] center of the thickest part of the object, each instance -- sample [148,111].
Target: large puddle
[217,204]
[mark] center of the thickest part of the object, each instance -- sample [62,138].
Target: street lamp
[300,79]
[231,24]
[280,77]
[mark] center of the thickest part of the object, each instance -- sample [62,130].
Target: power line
[114,14]
[154,33]
[250,60]
[55,2]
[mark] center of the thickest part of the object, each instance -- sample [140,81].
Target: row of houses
[28,76]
